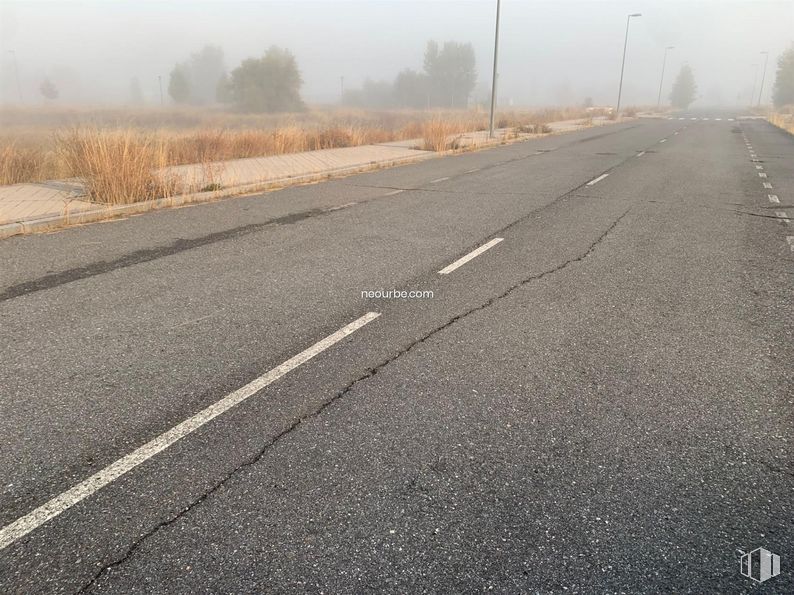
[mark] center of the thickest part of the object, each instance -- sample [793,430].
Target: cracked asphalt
[601,402]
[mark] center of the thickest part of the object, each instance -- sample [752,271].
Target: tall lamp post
[755,82]
[661,82]
[623,64]
[16,74]
[763,76]
[493,82]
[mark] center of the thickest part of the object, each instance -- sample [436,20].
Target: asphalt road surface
[601,400]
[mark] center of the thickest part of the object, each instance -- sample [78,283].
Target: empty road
[587,386]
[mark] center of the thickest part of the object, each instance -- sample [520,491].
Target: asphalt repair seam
[326,404]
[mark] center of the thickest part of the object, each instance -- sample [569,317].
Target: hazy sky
[552,52]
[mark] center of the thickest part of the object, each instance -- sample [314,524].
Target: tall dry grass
[116,151]
[116,167]
[784,118]
[438,134]
[20,164]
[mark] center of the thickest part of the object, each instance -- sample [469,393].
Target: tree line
[448,79]
[268,84]
[272,83]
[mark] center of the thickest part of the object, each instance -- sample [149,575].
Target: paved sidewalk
[36,207]
[31,207]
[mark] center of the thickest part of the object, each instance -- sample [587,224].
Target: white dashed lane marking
[790,240]
[773,198]
[596,180]
[783,217]
[24,525]
[473,254]
[439,180]
[641,153]
[767,185]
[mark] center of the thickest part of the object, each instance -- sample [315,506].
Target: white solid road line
[439,180]
[471,171]
[773,198]
[473,254]
[641,153]
[597,180]
[393,192]
[24,525]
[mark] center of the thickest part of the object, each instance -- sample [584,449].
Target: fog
[550,52]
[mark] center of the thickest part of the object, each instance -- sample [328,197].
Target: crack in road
[53,280]
[340,394]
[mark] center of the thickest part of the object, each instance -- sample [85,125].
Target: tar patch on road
[147,255]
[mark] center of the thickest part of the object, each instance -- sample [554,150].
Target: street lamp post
[16,74]
[623,64]
[493,82]
[755,82]
[160,83]
[763,77]
[661,82]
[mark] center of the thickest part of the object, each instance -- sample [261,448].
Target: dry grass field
[783,118]
[116,151]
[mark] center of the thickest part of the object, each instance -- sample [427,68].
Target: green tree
[179,84]
[371,94]
[452,73]
[48,89]
[268,84]
[684,88]
[223,90]
[783,93]
[206,68]
[411,89]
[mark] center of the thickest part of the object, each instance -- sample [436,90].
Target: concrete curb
[105,213]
